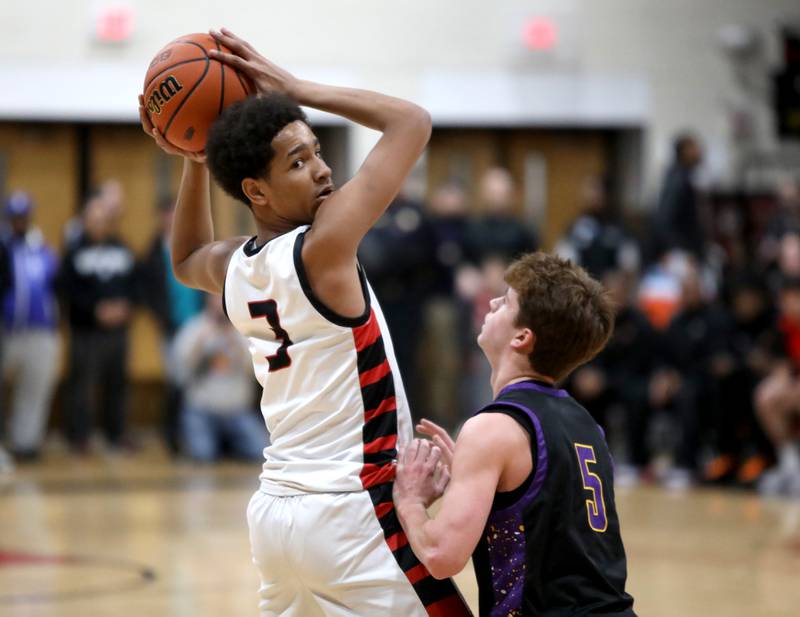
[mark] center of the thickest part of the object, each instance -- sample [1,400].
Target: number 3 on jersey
[269,309]
[596,506]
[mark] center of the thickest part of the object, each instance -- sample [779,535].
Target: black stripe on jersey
[329,314]
[375,393]
[431,590]
[380,426]
[381,493]
[372,356]
[384,457]
[406,559]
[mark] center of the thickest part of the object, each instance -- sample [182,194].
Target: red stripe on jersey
[374,374]
[373,475]
[367,334]
[417,573]
[387,405]
[451,606]
[382,509]
[397,540]
[381,443]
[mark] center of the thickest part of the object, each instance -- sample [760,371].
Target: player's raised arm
[348,213]
[197,260]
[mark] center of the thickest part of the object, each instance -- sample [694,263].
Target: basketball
[185,90]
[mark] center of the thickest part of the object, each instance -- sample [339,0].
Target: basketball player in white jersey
[323,530]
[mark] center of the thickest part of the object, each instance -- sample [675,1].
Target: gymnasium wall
[660,62]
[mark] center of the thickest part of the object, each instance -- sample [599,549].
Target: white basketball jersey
[333,399]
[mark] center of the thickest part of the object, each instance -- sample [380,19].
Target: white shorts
[331,554]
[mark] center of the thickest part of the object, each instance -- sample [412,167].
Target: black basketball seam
[186,98]
[203,49]
[222,81]
[241,81]
[170,67]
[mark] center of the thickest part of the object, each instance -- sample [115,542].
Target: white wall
[665,53]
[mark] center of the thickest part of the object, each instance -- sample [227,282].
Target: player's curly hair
[239,144]
[569,312]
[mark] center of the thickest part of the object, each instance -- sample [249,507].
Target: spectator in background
[30,321]
[740,446]
[397,254]
[112,195]
[172,305]
[785,220]
[678,220]
[98,283]
[447,316]
[619,375]
[778,397]
[6,461]
[498,231]
[695,359]
[213,366]
[594,241]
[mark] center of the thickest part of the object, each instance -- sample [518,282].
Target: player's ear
[255,190]
[524,341]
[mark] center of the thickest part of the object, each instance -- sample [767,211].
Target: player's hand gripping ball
[185,90]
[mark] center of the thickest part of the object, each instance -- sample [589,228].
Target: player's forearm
[426,543]
[371,109]
[192,226]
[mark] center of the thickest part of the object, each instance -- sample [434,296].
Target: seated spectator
[741,449]
[694,359]
[660,288]
[595,241]
[778,398]
[213,364]
[784,220]
[30,319]
[618,376]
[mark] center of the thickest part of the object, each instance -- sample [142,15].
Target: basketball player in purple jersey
[530,494]
[323,529]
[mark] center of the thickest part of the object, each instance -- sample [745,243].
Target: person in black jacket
[619,375]
[498,232]
[172,305]
[98,284]
[678,221]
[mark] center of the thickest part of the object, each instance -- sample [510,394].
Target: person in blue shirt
[30,319]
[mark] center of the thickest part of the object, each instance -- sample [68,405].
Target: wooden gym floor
[144,536]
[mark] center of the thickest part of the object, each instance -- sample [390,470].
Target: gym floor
[145,536]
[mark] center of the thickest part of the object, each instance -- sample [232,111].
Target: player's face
[299,180]
[498,326]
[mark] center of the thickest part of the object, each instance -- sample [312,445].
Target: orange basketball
[185,90]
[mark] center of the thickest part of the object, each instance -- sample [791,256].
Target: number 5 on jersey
[269,309]
[596,506]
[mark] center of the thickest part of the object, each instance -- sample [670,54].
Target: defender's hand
[265,75]
[420,476]
[441,438]
[147,127]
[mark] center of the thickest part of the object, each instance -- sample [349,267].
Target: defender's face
[498,326]
[299,180]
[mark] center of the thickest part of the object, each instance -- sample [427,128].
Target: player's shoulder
[492,432]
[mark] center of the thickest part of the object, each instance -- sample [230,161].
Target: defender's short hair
[569,312]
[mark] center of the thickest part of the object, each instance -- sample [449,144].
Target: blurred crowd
[90,292]
[700,382]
